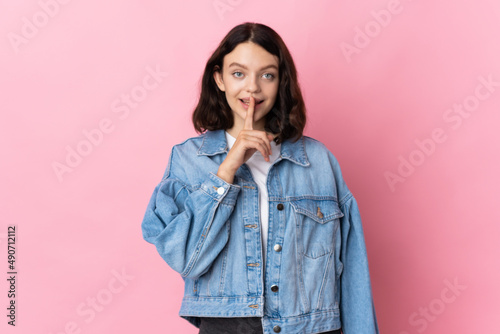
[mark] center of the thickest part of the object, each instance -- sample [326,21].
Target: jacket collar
[214,142]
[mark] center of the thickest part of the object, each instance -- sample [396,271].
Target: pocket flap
[321,211]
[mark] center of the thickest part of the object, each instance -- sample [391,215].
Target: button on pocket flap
[321,211]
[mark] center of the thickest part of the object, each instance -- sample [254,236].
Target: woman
[255,216]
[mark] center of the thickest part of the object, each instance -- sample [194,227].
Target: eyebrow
[246,68]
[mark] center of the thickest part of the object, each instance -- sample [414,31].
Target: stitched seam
[200,244]
[346,198]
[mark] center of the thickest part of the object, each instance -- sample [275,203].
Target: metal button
[274,288]
[277,329]
[280,206]
[220,190]
[277,248]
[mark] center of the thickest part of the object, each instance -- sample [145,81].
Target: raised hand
[247,143]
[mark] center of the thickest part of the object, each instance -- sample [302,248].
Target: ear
[218,79]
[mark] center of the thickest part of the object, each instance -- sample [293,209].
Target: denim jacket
[316,276]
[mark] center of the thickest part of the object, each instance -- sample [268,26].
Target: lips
[247,101]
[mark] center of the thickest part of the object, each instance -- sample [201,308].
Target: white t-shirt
[259,169]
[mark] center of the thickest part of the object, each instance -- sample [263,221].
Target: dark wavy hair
[287,118]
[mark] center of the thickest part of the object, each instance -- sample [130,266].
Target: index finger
[249,117]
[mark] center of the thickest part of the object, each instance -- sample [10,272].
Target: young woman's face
[249,70]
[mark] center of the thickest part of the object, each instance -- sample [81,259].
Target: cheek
[273,95]
[231,97]
[273,89]
[233,87]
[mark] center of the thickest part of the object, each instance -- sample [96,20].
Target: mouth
[247,101]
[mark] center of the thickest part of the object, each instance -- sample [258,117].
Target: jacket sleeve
[357,309]
[189,225]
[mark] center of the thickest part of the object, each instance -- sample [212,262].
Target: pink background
[65,72]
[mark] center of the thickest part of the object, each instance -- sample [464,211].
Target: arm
[357,310]
[189,227]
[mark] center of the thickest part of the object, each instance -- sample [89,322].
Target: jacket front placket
[277,219]
[249,197]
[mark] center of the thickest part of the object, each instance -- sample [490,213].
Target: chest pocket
[317,222]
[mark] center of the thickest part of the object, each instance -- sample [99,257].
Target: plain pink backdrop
[379,77]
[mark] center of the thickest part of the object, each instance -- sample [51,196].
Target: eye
[236,74]
[269,76]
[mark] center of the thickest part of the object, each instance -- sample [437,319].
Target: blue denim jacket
[316,276]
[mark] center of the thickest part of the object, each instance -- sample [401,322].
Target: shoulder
[182,153]
[313,143]
[318,149]
[190,143]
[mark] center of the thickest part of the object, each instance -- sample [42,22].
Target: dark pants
[250,325]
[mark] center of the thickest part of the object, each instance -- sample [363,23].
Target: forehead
[250,55]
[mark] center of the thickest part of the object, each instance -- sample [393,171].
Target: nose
[253,84]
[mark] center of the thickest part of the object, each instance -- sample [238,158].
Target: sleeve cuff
[221,190]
